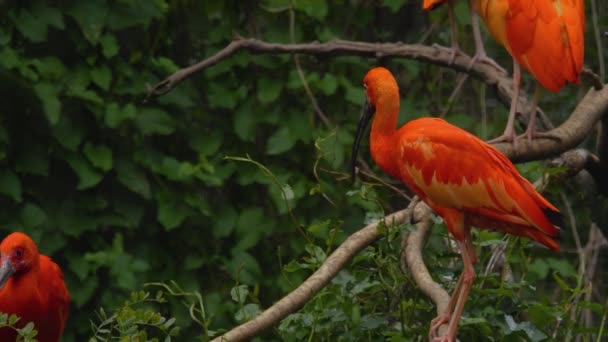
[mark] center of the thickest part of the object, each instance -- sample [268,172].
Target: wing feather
[452,168]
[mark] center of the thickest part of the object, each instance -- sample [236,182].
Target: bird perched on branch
[31,287]
[463,179]
[546,37]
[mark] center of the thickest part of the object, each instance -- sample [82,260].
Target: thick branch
[592,108]
[330,268]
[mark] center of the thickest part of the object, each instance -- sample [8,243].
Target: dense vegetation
[226,192]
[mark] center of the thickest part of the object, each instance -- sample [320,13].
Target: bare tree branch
[588,112]
[330,268]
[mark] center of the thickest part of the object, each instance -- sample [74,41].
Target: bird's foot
[483,58]
[505,137]
[442,339]
[453,51]
[534,134]
[436,323]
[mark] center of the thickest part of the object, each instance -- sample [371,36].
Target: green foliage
[24,332]
[120,192]
[135,321]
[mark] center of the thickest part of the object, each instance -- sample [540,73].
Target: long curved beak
[366,115]
[6,271]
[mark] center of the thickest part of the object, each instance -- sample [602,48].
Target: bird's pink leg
[468,275]
[509,133]
[531,132]
[469,244]
[456,294]
[480,51]
[438,321]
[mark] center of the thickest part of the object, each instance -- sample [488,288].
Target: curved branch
[413,257]
[432,54]
[568,135]
[311,286]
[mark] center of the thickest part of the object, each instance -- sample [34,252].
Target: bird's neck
[383,134]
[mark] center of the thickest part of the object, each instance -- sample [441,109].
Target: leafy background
[230,185]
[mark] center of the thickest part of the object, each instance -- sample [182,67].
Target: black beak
[366,115]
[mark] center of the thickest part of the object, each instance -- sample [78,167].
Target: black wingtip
[555,217]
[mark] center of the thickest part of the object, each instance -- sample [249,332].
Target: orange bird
[546,37]
[32,287]
[463,179]
[480,52]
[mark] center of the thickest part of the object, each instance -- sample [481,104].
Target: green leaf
[87,175]
[67,133]
[48,94]
[109,45]
[239,293]
[281,141]
[133,178]
[245,123]
[32,216]
[170,214]
[269,89]
[225,221]
[115,115]
[393,5]
[91,17]
[10,185]
[154,121]
[248,312]
[99,155]
[314,8]
[33,22]
[328,84]
[102,76]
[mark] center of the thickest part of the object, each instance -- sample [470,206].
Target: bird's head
[428,5]
[18,253]
[381,89]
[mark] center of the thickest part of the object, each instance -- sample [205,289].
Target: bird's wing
[56,293]
[546,38]
[452,168]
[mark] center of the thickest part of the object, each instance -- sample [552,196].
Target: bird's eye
[19,253]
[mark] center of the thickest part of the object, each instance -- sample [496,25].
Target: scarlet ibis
[480,52]
[546,37]
[32,287]
[463,179]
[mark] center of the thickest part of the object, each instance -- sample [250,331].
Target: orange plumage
[543,36]
[32,287]
[463,179]
[546,37]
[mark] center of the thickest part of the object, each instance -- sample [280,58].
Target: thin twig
[296,59]
[598,40]
[457,90]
